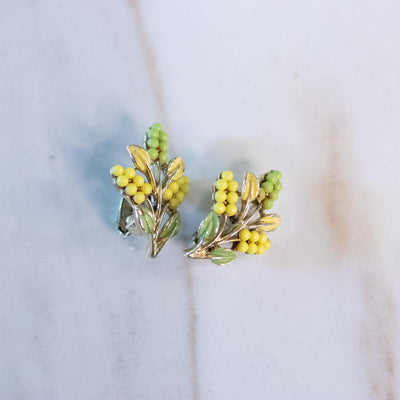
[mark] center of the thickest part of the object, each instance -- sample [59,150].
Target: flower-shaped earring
[151,192]
[227,229]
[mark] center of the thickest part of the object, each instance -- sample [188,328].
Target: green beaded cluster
[270,186]
[157,144]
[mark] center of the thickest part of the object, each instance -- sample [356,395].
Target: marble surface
[310,88]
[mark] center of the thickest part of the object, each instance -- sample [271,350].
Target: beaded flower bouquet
[151,191]
[228,229]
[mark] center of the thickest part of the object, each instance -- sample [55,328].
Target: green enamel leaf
[171,227]
[209,226]
[222,256]
[146,220]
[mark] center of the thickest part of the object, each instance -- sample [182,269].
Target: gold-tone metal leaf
[270,222]
[176,167]
[125,210]
[140,158]
[250,187]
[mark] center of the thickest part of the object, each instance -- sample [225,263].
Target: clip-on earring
[228,229]
[151,191]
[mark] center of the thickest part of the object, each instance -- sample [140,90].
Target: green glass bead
[163,145]
[268,204]
[268,186]
[153,143]
[278,186]
[153,133]
[271,177]
[273,195]
[153,154]
[163,136]
[163,156]
[278,174]
[156,126]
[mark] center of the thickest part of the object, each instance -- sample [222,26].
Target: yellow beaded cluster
[253,242]
[133,185]
[226,195]
[176,192]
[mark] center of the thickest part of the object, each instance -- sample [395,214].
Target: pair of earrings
[153,190]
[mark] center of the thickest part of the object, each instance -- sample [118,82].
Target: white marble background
[308,87]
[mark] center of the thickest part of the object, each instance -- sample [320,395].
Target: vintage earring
[151,191]
[228,229]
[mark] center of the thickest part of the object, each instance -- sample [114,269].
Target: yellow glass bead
[139,198]
[252,249]
[261,249]
[242,246]
[181,181]
[263,238]
[231,209]
[232,197]
[267,244]
[174,203]
[138,180]
[220,196]
[233,186]
[180,196]
[131,189]
[221,184]
[122,181]
[117,170]
[129,172]
[146,188]
[244,234]
[185,188]
[167,195]
[174,187]
[254,236]
[219,207]
[186,179]
[227,175]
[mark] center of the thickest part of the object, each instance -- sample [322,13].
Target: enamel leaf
[270,222]
[176,167]
[171,226]
[250,187]
[140,158]
[222,256]
[209,226]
